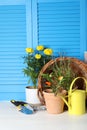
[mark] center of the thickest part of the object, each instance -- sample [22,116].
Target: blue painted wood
[86,23]
[34,24]
[83,29]
[11,2]
[10,96]
[46,1]
[29,23]
[59,26]
[12,48]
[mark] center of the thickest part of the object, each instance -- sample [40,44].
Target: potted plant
[34,60]
[56,80]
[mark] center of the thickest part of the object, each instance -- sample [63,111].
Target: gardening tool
[76,99]
[23,107]
[27,108]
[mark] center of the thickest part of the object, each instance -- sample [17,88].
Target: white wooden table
[12,119]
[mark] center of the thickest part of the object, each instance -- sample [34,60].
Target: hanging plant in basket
[57,78]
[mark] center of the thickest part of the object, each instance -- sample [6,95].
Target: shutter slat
[59,26]
[12,47]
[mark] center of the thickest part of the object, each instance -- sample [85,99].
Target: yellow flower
[29,50]
[37,56]
[60,78]
[48,51]
[40,48]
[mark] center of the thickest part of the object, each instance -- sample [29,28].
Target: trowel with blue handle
[23,107]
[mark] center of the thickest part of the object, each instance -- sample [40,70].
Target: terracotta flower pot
[54,104]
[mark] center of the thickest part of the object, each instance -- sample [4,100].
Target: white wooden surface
[12,119]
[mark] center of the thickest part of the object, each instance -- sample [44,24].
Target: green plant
[35,60]
[58,76]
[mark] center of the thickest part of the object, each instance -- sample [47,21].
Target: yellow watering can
[76,99]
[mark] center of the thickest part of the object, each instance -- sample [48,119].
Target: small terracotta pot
[54,104]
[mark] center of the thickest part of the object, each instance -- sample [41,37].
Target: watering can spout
[66,102]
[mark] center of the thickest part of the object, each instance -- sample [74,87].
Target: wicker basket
[79,67]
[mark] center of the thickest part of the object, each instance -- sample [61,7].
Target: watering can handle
[74,82]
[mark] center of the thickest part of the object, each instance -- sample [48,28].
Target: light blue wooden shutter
[60,26]
[12,46]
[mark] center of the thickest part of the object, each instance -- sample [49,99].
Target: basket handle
[40,96]
[74,82]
